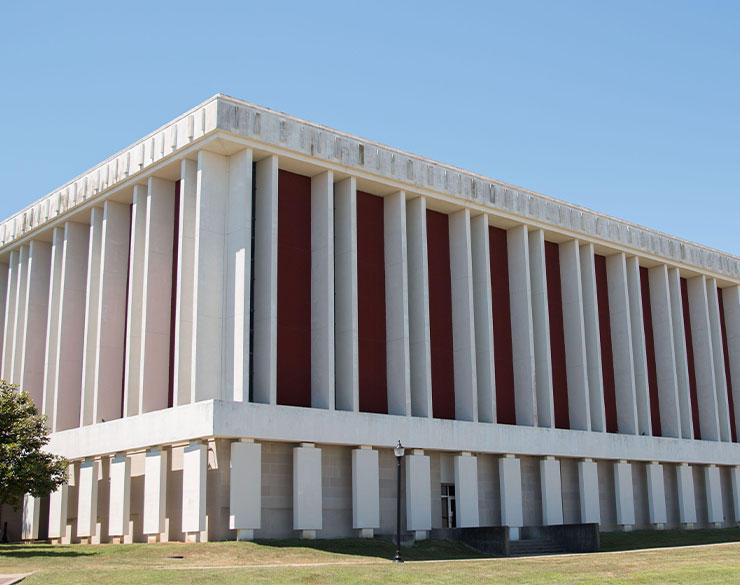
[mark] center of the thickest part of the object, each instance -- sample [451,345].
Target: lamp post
[398,451]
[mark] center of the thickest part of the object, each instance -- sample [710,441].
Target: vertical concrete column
[701,336]
[418,309]
[135,296]
[92,316]
[418,494]
[307,491]
[576,359]
[398,357]
[111,311]
[679,346]
[58,503]
[665,354]
[87,503]
[718,360]
[365,491]
[70,333]
[588,491]
[157,296]
[552,491]
[483,318]
[245,489]
[4,273]
[346,327]
[31,517]
[463,317]
[20,316]
[322,291]
[212,338]
[620,318]
[522,328]
[686,499]
[541,330]
[466,490]
[639,347]
[715,513]
[37,307]
[10,311]
[656,494]
[194,468]
[265,281]
[155,494]
[735,479]
[185,282]
[731,302]
[52,325]
[510,480]
[623,494]
[592,338]
[119,516]
[238,278]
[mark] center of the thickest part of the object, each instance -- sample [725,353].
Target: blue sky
[631,108]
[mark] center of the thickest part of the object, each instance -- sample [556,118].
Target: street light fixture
[398,452]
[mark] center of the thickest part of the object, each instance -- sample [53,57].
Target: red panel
[440,315]
[173,297]
[294,290]
[605,336]
[730,401]
[557,336]
[503,357]
[690,358]
[371,303]
[647,323]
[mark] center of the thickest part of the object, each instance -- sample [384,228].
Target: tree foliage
[24,467]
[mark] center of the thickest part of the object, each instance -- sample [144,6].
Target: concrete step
[534,547]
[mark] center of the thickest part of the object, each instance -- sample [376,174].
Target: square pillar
[466,490]
[245,489]
[483,321]
[397,305]
[322,291]
[735,477]
[31,515]
[194,468]
[623,494]
[155,494]
[686,500]
[552,492]
[87,503]
[715,513]
[510,478]
[58,502]
[639,352]
[522,328]
[679,347]
[365,491]
[656,494]
[588,490]
[346,312]
[592,338]
[418,494]
[120,498]
[307,492]
[418,310]
[463,318]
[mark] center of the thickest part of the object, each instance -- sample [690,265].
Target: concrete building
[230,324]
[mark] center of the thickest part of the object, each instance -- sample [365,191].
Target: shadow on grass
[25,551]
[641,539]
[380,548]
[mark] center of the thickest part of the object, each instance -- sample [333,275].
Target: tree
[24,467]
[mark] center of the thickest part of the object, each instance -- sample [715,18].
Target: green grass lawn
[361,561]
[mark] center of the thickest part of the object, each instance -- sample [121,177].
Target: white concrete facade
[139,308]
